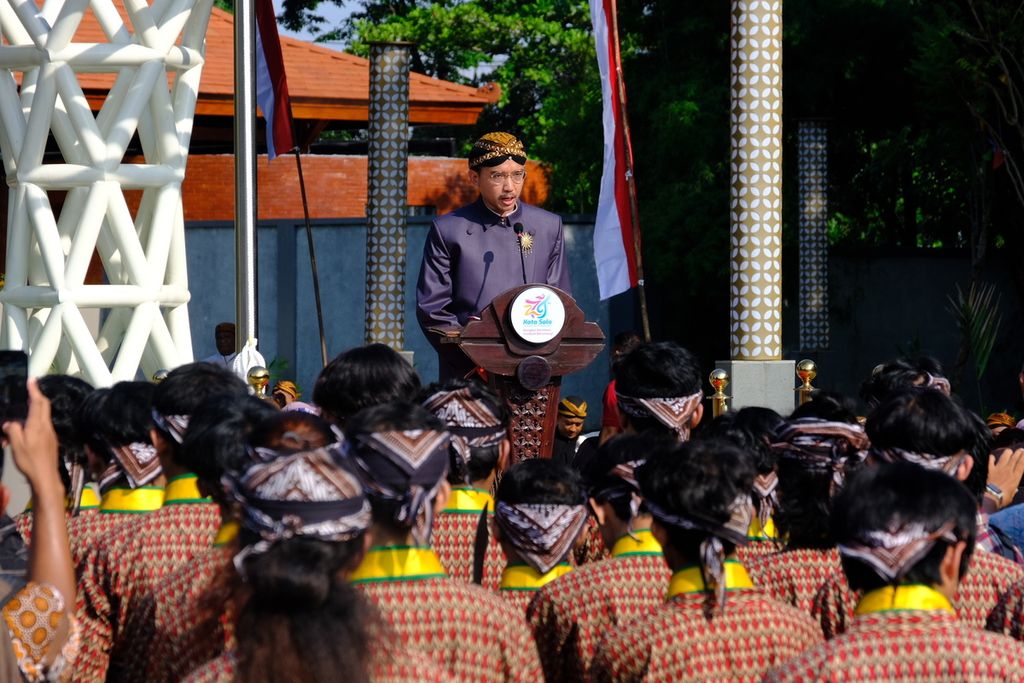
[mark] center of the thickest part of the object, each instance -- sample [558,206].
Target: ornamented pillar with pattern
[812,151]
[759,376]
[386,208]
[756,191]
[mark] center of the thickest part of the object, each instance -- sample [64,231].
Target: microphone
[518,229]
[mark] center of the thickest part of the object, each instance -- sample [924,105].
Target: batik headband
[937,382]
[620,482]
[138,461]
[712,550]
[929,461]
[822,445]
[570,409]
[494,145]
[893,553]
[674,413]
[309,494]
[542,534]
[406,469]
[175,425]
[471,423]
[766,488]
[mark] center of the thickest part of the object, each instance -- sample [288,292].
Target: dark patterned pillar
[386,206]
[812,153]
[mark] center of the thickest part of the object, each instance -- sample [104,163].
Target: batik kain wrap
[542,534]
[470,421]
[175,425]
[891,553]
[138,461]
[712,550]
[404,469]
[674,413]
[938,382]
[766,487]
[930,461]
[310,494]
[822,445]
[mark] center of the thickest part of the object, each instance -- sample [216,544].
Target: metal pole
[245,172]
[312,260]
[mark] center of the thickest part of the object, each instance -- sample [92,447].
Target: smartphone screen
[13,393]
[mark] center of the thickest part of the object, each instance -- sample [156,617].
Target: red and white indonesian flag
[271,84]
[614,251]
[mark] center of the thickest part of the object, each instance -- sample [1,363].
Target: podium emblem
[537,315]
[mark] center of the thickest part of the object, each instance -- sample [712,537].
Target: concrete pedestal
[766,383]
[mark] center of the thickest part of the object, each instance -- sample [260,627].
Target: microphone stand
[518,228]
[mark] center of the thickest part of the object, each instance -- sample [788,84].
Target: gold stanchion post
[806,371]
[719,380]
[258,378]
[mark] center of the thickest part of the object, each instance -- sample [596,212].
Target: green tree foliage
[919,96]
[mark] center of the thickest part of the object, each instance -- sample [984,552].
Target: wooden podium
[526,354]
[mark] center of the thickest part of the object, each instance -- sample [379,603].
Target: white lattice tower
[157,57]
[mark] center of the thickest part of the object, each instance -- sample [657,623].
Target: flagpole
[312,260]
[245,172]
[634,209]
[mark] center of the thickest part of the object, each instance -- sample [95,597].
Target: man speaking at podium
[478,251]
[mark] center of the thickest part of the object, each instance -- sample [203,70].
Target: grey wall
[883,304]
[887,303]
[287,323]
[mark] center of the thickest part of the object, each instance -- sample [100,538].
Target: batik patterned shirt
[988,577]
[470,632]
[125,565]
[794,576]
[570,614]
[691,640]
[453,537]
[908,645]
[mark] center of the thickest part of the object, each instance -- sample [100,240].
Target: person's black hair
[362,377]
[897,375]
[66,394]
[393,416]
[215,443]
[618,450]
[187,387]
[117,416]
[302,620]
[623,344]
[1011,437]
[698,480]
[890,496]
[657,370]
[828,405]
[292,431]
[540,481]
[482,459]
[921,421]
[752,429]
[980,448]
[626,341]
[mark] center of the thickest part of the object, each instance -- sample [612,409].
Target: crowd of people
[188,531]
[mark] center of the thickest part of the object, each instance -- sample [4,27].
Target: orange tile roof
[324,84]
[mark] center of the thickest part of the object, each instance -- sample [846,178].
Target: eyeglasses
[516,177]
